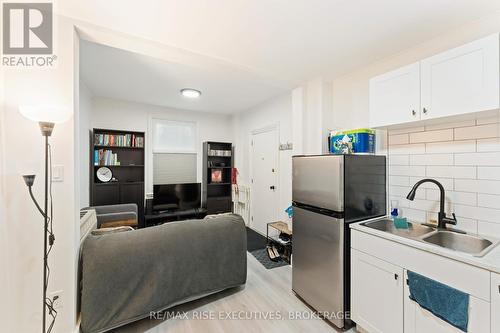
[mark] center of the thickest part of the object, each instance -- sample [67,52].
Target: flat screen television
[171,197]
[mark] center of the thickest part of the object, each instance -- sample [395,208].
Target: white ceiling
[288,39]
[119,74]
[262,47]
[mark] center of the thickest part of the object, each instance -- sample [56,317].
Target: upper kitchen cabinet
[462,80]
[395,96]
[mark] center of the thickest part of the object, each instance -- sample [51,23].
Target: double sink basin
[448,238]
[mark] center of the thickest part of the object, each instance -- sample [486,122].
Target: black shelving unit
[128,185]
[216,196]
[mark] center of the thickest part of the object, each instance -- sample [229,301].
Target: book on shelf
[105,157]
[119,140]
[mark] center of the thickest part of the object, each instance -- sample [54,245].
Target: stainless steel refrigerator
[329,192]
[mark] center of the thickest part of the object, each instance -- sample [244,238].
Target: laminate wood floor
[267,292]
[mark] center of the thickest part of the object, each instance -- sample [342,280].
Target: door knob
[413,113]
[425,111]
[271,187]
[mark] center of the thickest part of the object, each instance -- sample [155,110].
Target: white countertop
[490,262]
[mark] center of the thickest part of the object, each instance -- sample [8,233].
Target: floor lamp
[46,118]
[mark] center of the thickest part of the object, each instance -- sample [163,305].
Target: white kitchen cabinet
[495,303]
[461,80]
[419,320]
[395,96]
[376,294]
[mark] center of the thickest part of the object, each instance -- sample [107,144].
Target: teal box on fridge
[363,141]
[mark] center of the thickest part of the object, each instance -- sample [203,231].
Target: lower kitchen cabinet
[495,303]
[376,294]
[380,295]
[419,320]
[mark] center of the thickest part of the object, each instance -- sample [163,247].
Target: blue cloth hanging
[445,302]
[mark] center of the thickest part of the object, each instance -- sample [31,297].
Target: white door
[419,320]
[462,80]
[495,303]
[264,150]
[395,96]
[376,294]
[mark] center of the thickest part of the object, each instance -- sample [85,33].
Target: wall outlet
[56,298]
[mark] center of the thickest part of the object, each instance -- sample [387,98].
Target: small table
[285,247]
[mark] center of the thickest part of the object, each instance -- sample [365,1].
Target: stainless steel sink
[474,245]
[450,239]
[414,230]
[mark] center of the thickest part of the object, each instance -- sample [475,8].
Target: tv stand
[157,218]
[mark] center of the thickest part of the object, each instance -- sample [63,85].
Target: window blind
[174,168]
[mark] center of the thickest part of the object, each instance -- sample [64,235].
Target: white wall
[23,228]
[122,115]
[277,111]
[464,156]
[85,109]
[4,250]
[350,92]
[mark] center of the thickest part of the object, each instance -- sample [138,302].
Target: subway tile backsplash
[464,156]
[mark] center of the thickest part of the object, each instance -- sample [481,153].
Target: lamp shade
[50,114]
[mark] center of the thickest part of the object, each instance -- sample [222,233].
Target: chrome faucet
[442,219]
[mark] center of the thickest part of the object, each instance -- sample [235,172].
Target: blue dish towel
[447,303]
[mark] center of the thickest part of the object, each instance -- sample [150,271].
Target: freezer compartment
[318,262]
[318,181]
[364,187]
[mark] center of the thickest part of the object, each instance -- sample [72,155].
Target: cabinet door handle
[396,276]
[413,113]
[425,111]
[499,288]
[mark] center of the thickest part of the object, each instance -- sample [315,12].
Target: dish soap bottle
[394,209]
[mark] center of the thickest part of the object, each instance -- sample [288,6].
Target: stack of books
[115,140]
[105,157]
[218,152]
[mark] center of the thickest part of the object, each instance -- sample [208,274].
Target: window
[174,151]
[174,136]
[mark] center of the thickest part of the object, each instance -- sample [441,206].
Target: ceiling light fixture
[190,93]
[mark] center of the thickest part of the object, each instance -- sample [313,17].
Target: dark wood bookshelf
[216,196]
[128,183]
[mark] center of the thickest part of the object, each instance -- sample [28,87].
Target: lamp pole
[45,228]
[42,114]
[46,129]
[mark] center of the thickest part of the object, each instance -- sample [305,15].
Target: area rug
[255,240]
[262,257]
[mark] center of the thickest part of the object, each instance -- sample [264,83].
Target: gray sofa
[126,275]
